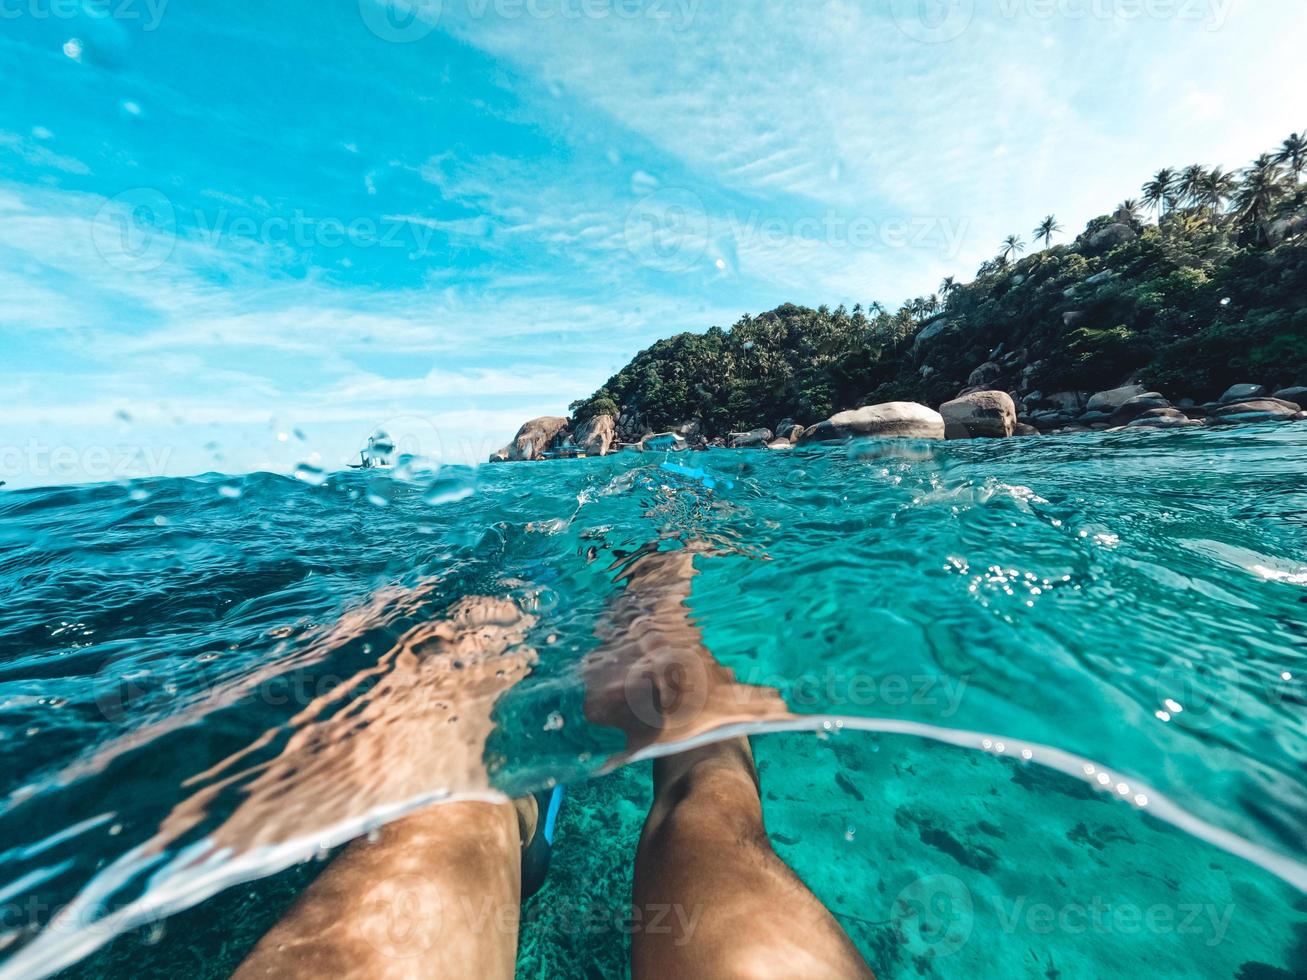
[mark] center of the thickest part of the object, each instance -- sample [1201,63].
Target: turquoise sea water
[1046,697]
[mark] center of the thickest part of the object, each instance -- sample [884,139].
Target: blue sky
[241,235]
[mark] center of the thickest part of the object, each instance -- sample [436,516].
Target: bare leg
[437,895]
[727,905]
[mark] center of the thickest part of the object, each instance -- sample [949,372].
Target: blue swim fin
[537,853]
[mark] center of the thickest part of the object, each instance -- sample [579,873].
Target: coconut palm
[1012,245]
[1217,188]
[1159,193]
[1046,230]
[947,286]
[1262,188]
[1130,210]
[1189,185]
[1294,153]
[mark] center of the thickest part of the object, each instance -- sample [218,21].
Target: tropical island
[1184,307]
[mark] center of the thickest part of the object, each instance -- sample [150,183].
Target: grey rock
[1139,405]
[929,333]
[986,374]
[1242,393]
[1111,236]
[906,420]
[981,415]
[1162,418]
[1296,395]
[1254,410]
[750,440]
[1068,401]
[1110,401]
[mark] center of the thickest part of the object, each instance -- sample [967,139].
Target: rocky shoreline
[977,413]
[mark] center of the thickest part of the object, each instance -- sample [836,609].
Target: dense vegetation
[1213,293]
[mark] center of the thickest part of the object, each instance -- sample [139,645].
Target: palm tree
[1159,192]
[1189,185]
[1218,186]
[1046,230]
[1012,245]
[1263,186]
[1130,210]
[946,287]
[1294,153]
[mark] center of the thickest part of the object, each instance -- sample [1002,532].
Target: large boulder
[596,437]
[1242,393]
[1110,401]
[1253,410]
[1296,395]
[985,375]
[1023,430]
[1137,406]
[981,415]
[789,431]
[1065,401]
[1286,228]
[750,440]
[929,333]
[1111,236]
[903,420]
[534,439]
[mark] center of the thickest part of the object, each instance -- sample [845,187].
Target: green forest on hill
[1211,293]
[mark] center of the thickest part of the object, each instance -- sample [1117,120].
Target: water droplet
[230,492]
[314,476]
[451,487]
[73,48]
[554,723]
[850,833]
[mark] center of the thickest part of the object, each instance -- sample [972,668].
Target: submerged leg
[726,905]
[435,896]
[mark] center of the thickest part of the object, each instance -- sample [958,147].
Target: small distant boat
[379,455]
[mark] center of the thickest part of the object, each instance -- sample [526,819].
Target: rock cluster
[977,413]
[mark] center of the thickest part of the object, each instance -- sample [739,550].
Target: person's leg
[726,905]
[436,895]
